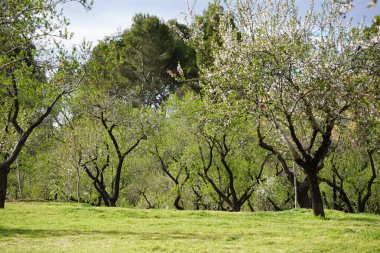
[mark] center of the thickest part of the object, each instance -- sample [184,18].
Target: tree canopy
[253,105]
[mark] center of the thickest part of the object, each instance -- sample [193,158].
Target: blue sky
[109,16]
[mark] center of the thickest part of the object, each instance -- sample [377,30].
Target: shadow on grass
[41,233]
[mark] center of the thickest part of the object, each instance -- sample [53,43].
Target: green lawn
[59,227]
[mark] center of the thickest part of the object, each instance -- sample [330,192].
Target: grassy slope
[55,227]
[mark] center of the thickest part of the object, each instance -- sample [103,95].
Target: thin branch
[16,106]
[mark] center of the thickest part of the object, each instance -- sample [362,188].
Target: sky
[107,17]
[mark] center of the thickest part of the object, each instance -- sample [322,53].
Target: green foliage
[136,63]
[299,75]
[35,73]
[353,168]
[221,108]
[373,30]
[97,140]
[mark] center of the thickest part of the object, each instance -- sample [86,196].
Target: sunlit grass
[58,227]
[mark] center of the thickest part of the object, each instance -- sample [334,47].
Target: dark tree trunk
[198,198]
[335,195]
[111,203]
[303,197]
[3,188]
[108,200]
[316,197]
[176,203]
[150,206]
[342,194]
[275,206]
[250,206]
[361,207]
[23,137]
[362,202]
[236,207]
[344,198]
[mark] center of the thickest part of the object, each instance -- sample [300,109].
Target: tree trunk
[276,207]
[176,203]
[315,192]
[361,207]
[198,199]
[3,188]
[303,198]
[106,198]
[335,195]
[250,206]
[342,194]
[362,202]
[236,207]
[110,202]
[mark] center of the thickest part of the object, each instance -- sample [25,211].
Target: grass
[59,227]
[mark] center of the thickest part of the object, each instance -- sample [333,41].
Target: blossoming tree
[300,75]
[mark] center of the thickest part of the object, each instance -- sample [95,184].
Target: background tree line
[239,110]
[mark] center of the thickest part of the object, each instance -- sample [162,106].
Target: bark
[303,197]
[316,197]
[236,208]
[230,195]
[111,198]
[3,188]
[174,178]
[250,206]
[23,137]
[236,205]
[335,195]
[342,194]
[344,198]
[275,206]
[198,198]
[176,203]
[150,206]
[121,157]
[111,202]
[362,202]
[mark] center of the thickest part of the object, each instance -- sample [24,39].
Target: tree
[168,148]
[348,4]
[223,153]
[208,24]
[138,60]
[301,75]
[301,187]
[111,130]
[353,178]
[353,165]
[31,84]
[68,181]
